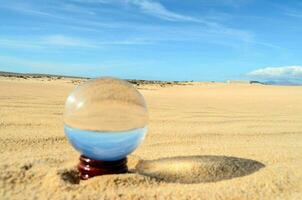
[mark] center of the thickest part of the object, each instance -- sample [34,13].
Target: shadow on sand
[197,169]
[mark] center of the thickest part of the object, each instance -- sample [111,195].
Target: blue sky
[200,40]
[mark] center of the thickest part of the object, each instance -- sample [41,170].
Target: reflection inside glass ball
[105,119]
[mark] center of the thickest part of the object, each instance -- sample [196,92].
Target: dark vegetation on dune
[35,75]
[52,76]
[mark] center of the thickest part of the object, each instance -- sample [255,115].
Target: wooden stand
[89,168]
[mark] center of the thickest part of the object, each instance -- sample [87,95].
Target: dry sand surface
[205,141]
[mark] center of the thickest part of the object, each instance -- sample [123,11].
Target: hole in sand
[70,176]
[26,167]
[197,169]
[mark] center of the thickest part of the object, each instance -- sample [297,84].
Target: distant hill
[36,75]
[284,82]
[288,83]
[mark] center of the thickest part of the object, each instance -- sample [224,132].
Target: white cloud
[44,42]
[278,73]
[57,42]
[204,29]
[13,43]
[158,10]
[32,66]
[27,8]
[61,40]
[75,9]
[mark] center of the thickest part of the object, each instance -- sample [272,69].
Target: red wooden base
[89,168]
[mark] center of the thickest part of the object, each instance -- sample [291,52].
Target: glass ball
[105,119]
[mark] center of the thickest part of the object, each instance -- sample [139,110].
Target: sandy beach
[204,141]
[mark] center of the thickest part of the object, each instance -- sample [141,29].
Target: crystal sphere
[105,119]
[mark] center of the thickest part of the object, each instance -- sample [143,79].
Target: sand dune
[205,141]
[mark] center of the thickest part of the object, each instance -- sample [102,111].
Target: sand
[205,141]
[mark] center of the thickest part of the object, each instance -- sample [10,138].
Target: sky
[200,40]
